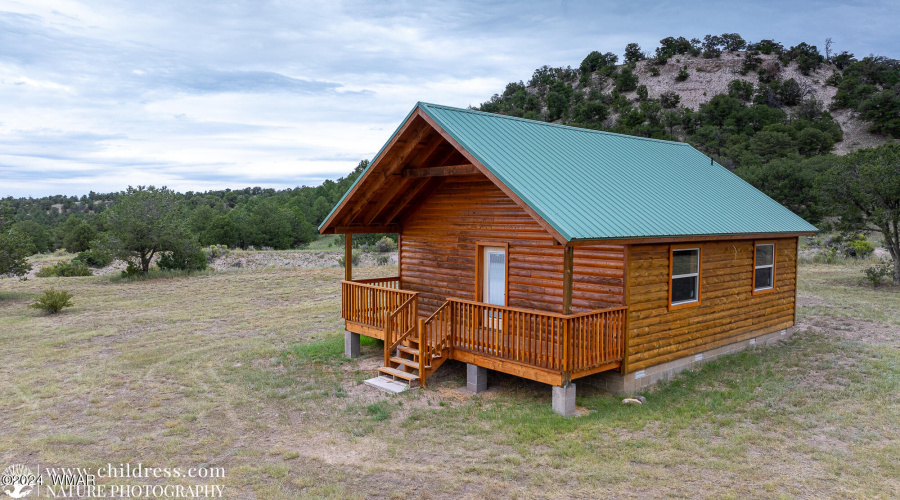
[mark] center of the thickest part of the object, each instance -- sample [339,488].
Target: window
[684,285]
[764,267]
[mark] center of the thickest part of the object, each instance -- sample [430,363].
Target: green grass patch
[157,274]
[329,350]
[379,411]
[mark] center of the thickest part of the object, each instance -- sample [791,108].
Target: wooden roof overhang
[407,170]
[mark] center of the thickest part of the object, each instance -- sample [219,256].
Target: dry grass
[243,370]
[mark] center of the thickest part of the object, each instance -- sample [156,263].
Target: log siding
[439,251]
[729,312]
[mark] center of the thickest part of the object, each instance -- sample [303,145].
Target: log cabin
[554,253]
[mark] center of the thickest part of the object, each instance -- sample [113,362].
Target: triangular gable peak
[408,169]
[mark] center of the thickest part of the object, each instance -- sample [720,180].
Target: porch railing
[575,343]
[557,342]
[371,301]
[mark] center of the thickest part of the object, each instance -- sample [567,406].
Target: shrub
[132,270]
[642,93]
[769,72]
[93,258]
[859,248]
[386,244]
[751,62]
[790,92]
[590,111]
[190,258]
[52,301]
[654,71]
[354,260]
[213,252]
[633,53]
[712,46]
[669,99]
[382,260]
[876,274]
[379,411]
[682,75]
[741,89]
[63,269]
[626,80]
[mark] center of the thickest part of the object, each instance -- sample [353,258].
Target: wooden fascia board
[487,173]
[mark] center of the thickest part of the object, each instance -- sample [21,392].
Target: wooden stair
[404,363]
[409,339]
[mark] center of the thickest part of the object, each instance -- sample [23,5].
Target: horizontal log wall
[439,247]
[728,311]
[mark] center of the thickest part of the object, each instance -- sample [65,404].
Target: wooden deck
[538,345]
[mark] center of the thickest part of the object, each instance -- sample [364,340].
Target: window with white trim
[764,267]
[685,282]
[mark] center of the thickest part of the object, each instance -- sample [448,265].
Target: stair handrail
[428,345]
[435,344]
[389,344]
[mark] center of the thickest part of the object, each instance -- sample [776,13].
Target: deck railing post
[423,351]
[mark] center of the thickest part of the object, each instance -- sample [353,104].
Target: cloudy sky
[203,95]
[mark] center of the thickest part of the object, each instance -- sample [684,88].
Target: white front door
[494,285]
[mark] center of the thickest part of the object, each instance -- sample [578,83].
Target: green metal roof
[589,184]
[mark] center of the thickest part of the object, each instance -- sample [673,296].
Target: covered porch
[539,345]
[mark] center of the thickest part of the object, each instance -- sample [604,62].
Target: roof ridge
[557,125]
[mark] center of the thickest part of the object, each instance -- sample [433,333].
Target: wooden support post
[568,345]
[568,264]
[348,257]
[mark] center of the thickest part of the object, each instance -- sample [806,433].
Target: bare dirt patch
[854,330]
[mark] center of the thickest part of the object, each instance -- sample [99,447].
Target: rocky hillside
[742,103]
[710,77]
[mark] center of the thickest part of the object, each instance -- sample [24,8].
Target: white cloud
[201,95]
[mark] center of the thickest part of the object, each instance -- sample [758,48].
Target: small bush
[52,301]
[642,93]
[669,99]
[876,274]
[213,252]
[188,259]
[859,248]
[63,269]
[386,244]
[626,80]
[354,259]
[382,260]
[654,71]
[379,411]
[132,270]
[93,258]
[682,75]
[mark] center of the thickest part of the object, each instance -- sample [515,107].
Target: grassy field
[243,370]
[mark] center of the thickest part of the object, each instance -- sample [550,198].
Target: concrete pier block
[351,344]
[476,378]
[564,400]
